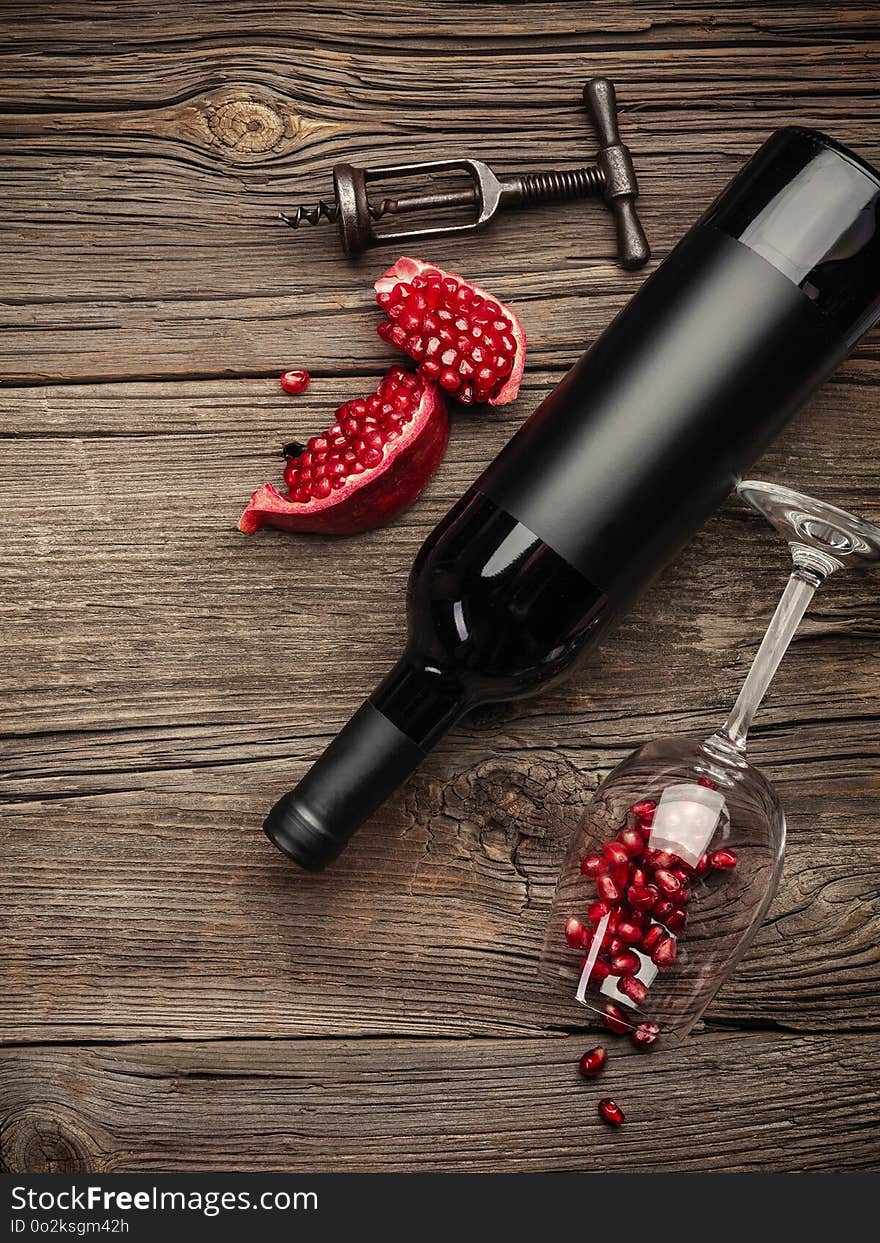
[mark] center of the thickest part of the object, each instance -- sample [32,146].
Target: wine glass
[672,868]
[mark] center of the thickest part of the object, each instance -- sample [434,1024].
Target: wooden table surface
[175,995]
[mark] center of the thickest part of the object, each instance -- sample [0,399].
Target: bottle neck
[423,702]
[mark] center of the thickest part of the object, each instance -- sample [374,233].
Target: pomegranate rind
[372,499]
[406,268]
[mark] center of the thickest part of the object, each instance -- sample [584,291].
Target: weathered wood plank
[750,1102]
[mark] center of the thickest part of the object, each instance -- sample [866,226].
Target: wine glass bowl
[676,860]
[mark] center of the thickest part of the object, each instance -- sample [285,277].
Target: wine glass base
[821,536]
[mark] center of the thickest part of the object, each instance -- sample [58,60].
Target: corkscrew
[611,176]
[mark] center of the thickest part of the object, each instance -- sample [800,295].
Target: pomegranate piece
[654,934]
[460,336]
[610,1112]
[633,988]
[645,1036]
[592,1061]
[614,1019]
[366,469]
[723,860]
[593,865]
[295,382]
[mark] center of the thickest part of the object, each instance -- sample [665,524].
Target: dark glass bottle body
[493,614]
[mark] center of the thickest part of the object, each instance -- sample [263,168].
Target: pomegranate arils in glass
[460,337]
[645,1036]
[614,1019]
[295,382]
[592,1061]
[723,860]
[610,1112]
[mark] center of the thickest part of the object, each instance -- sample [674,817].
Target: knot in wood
[34,1142]
[246,125]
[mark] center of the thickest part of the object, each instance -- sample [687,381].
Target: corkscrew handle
[615,161]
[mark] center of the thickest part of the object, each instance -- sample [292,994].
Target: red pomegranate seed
[642,897]
[614,918]
[675,920]
[723,860]
[663,954]
[708,783]
[666,882]
[703,866]
[615,854]
[644,810]
[295,381]
[662,909]
[645,1036]
[682,897]
[607,890]
[633,988]
[682,872]
[593,865]
[632,842]
[629,932]
[620,875]
[662,859]
[625,963]
[592,1061]
[654,934]
[597,911]
[599,971]
[614,1020]
[576,934]
[610,1112]
[638,876]
[616,945]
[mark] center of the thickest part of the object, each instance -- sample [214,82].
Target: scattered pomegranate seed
[295,382]
[620,875]
[644,810]
[642,897]
[633,988]
[645,1036]
[593,865]
[611,1112]
[638,876]
[614,1019]
[723,860]
[662,859]
[597,911]
[625,962]
[664,952]
[607,890]
[662,909]
[702,866]
[599,971]
[654,934]
[675,920]
[592,1061]
[632,842]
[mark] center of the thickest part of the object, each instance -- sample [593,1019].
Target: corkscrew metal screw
[611,176]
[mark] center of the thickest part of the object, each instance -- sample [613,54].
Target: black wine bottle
[617,468]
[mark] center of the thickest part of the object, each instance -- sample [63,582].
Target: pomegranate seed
[614,1020]
[632,842]
[620,875]
[633,988]
[616,945]
[708,783]
[644,810]
[675,920]
[607,890]
[666,882]
[576,934]
[616,854]
[599,971]
[663,954]
[625,963]
[723,860]
[642,897]
[593,865]
[638,876]
[610,1112]
[629,932]
[682,872]
[295,382]
[682,897]
[662,859]
[652,936]
[703,866]
[597,911]
[645,1036]
[592,1061]
[662,909]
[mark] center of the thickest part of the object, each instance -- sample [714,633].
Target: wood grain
[164,677]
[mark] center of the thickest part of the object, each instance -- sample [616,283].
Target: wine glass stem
[796,598]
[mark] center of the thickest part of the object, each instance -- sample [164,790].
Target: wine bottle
[617,468]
